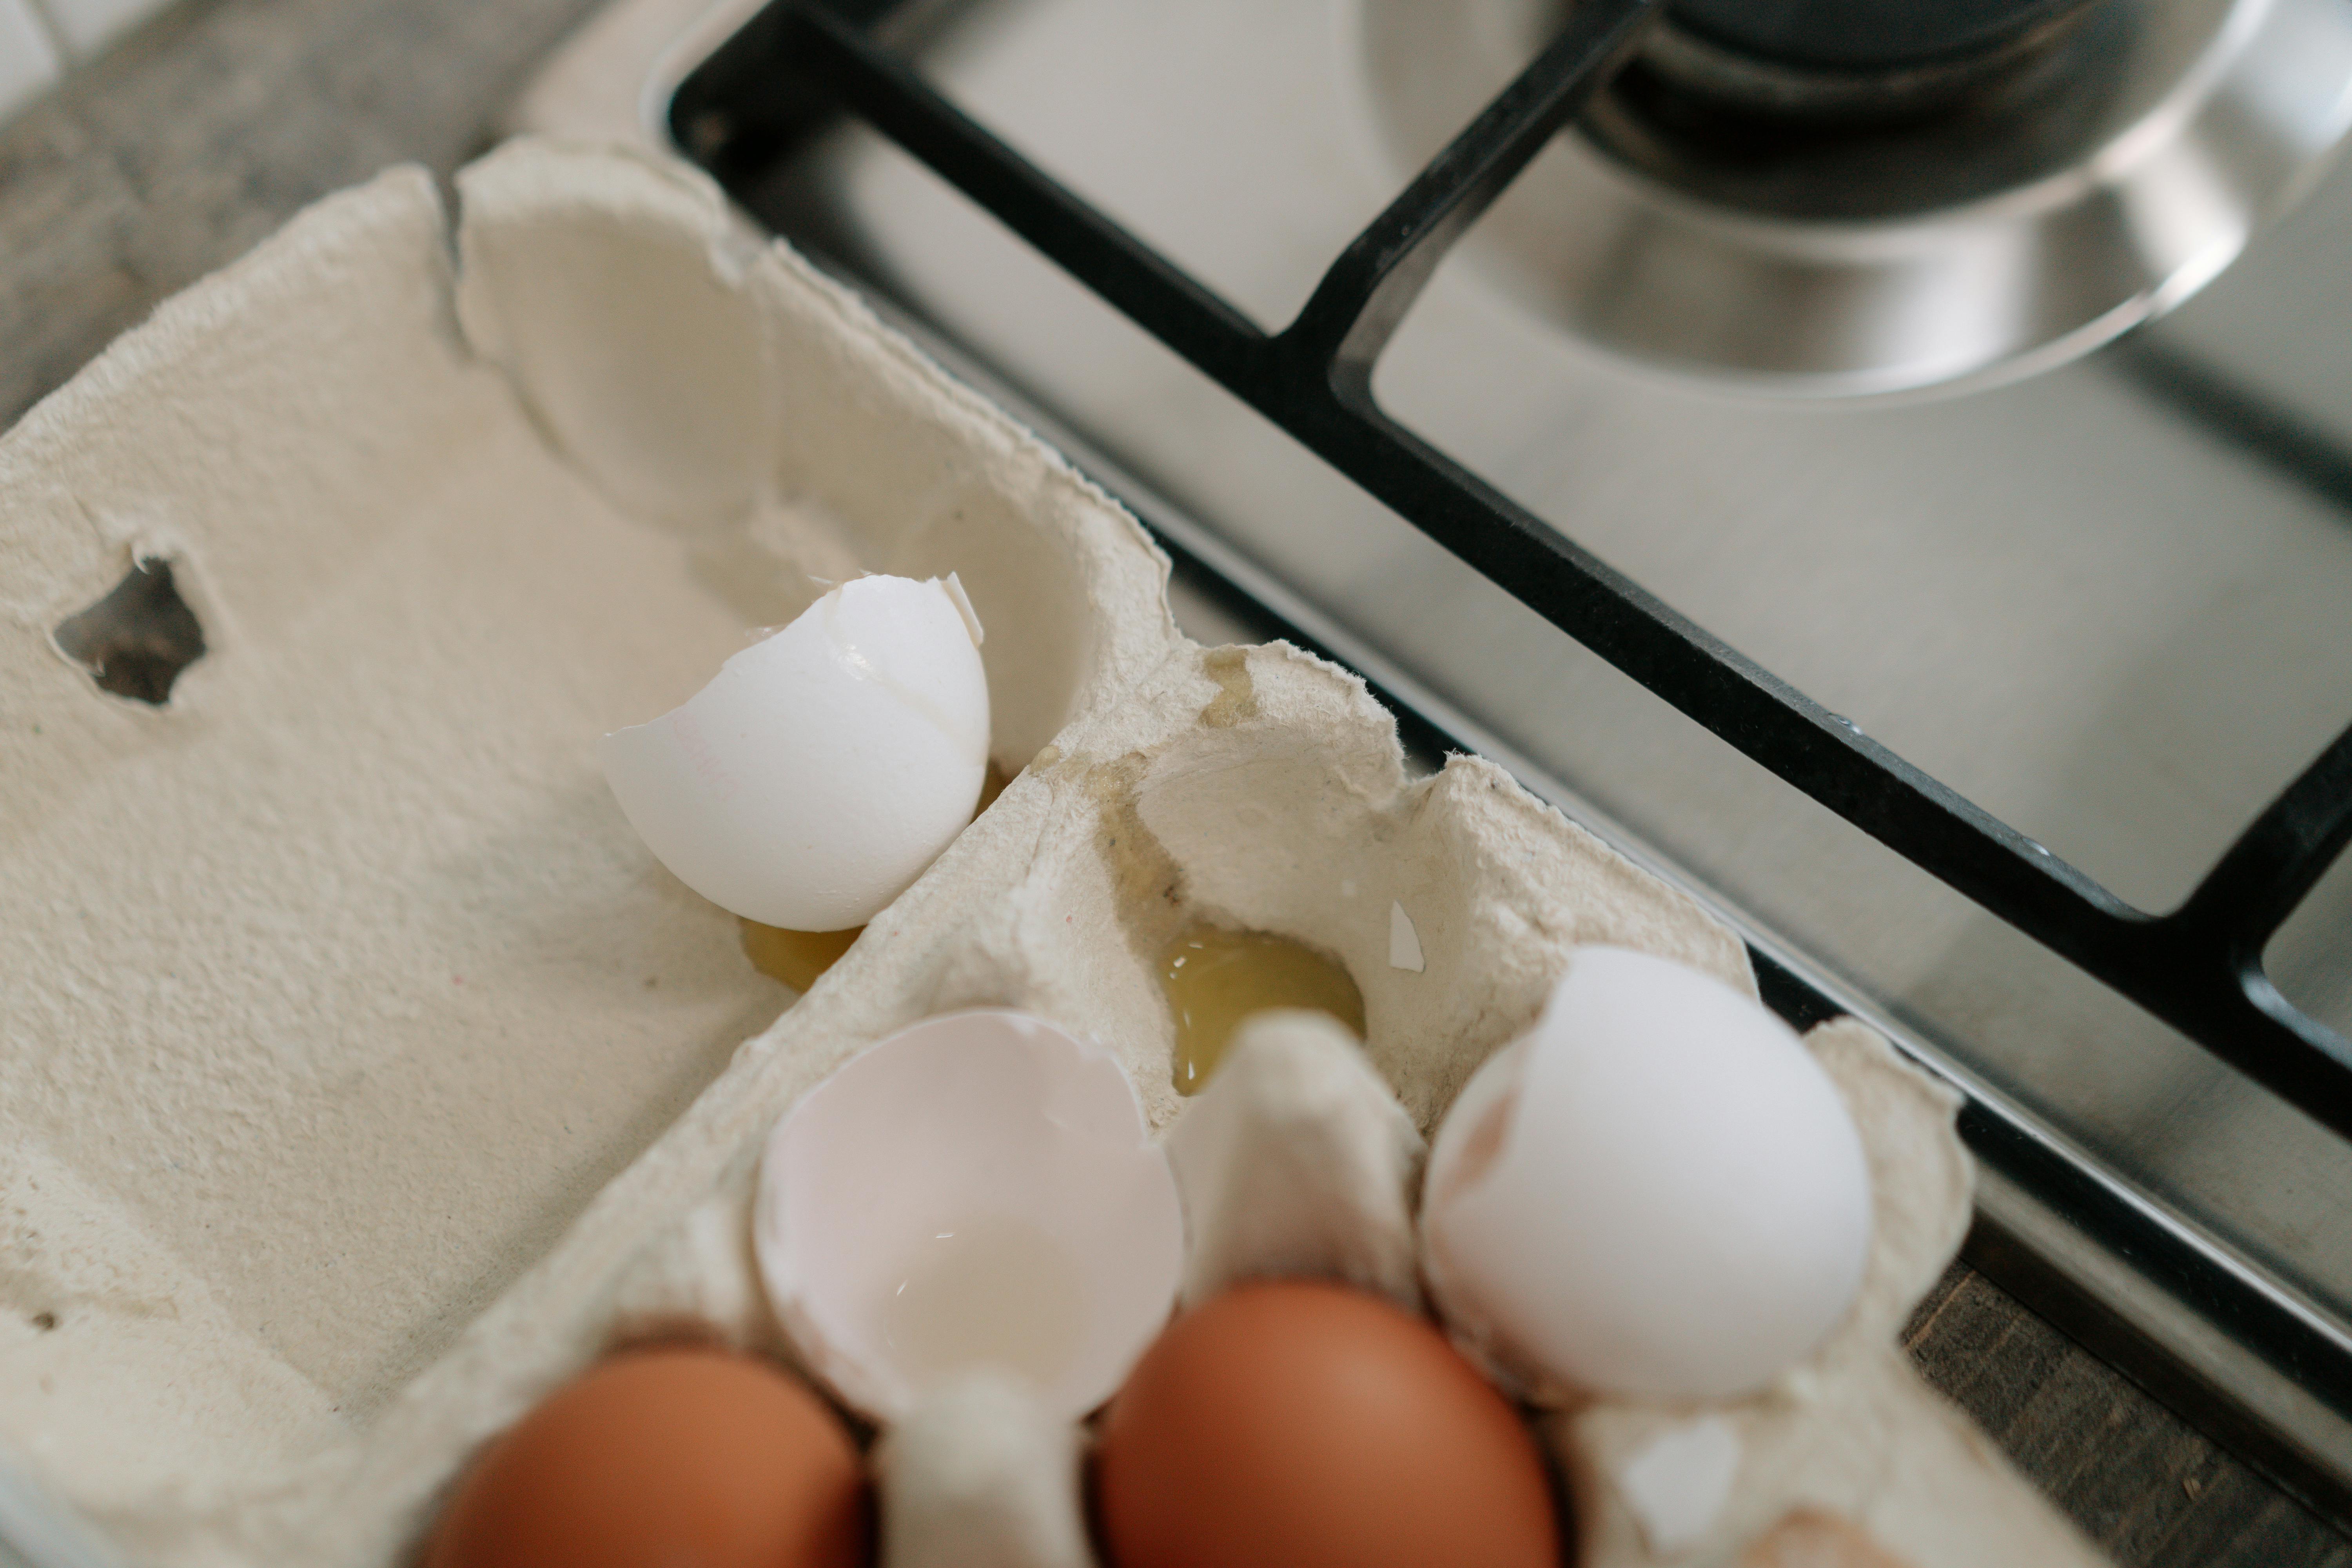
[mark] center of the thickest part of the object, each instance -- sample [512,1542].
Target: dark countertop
[205,128]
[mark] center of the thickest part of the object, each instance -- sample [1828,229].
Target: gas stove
[1888,468]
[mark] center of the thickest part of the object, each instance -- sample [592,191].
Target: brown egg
[685,1457]
[1303,1424]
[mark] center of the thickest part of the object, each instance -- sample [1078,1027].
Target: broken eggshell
[1656,1193]
[978,1190]
[824,766]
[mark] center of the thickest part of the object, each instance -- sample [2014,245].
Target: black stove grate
[2198,968]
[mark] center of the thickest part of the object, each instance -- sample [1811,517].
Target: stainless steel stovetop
[2111,601]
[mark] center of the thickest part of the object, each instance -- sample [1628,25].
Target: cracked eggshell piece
[1657,1192]
[1297,1160]
[824,767]
[977,1190]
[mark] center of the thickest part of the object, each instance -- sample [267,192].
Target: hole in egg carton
[138,637]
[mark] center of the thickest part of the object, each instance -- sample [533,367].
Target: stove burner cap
[1858,62]
[1872,37]
[1838,198]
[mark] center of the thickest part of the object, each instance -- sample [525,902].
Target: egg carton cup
[366,1079]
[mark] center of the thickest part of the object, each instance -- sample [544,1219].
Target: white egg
[824,767]
[1657,1192]
[976,1191]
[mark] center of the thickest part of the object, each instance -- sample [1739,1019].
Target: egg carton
[366,1079]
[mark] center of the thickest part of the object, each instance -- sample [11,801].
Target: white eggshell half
[979,1190]
[824,767]
[1656,1194]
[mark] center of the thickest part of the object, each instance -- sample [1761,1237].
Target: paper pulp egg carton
[364,1077]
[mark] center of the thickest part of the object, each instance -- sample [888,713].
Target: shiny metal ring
[1965,251]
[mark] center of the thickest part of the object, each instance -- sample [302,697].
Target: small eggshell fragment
[1657,1192]
[824,767]
[1300,1424]
[685,1455]
[977,1190]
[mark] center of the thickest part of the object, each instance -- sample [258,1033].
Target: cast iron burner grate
[2198,967]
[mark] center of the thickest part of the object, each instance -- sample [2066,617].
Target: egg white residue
[979,1190]
[1657,1192]
[824,767]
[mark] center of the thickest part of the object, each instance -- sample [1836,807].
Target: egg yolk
[798,957]
[794,957]
[1215,977]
